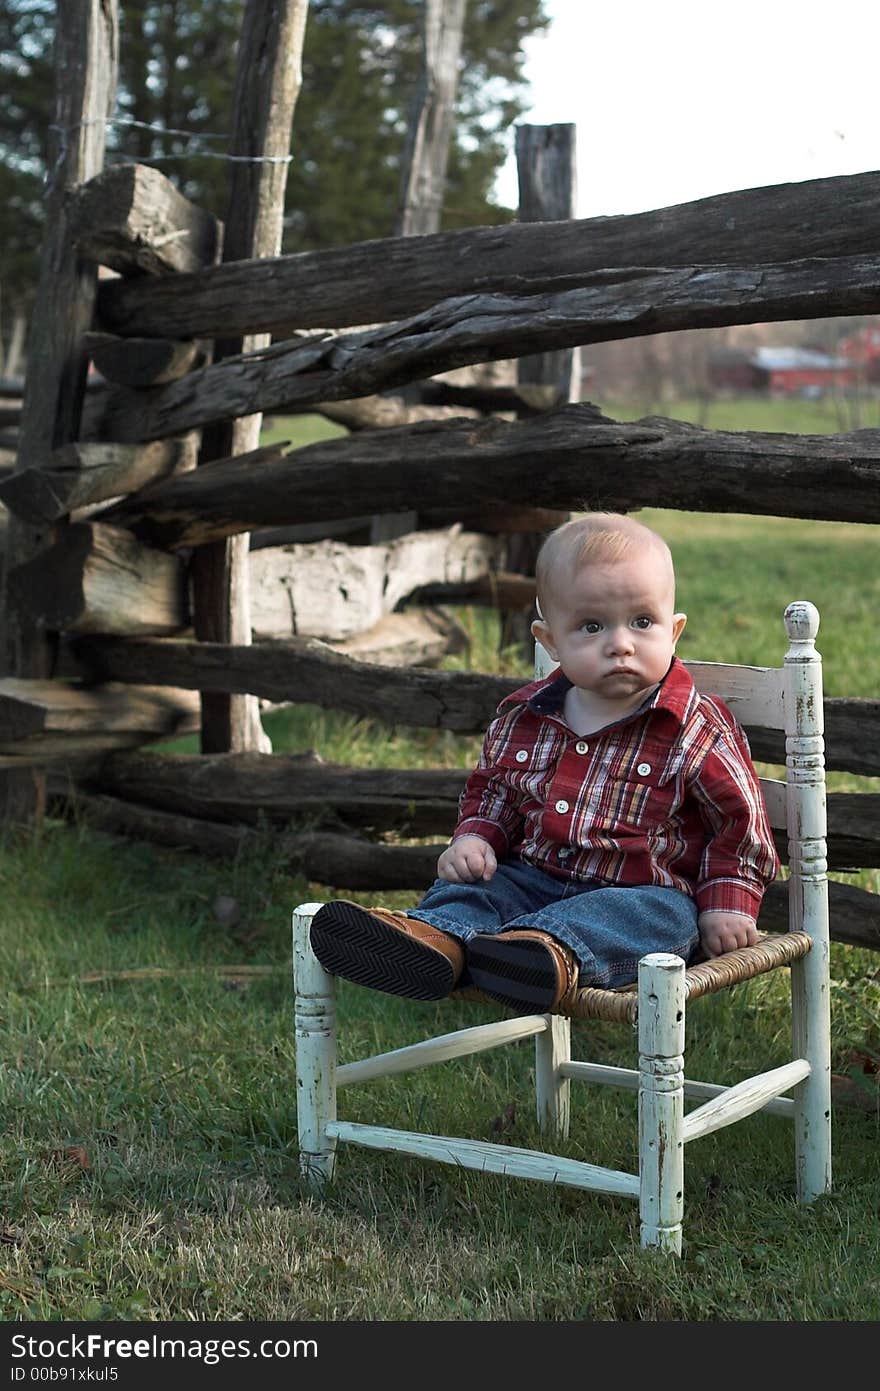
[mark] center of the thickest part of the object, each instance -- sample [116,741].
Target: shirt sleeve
[739,859]
[489,806]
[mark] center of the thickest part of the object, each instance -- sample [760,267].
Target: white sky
[680,99]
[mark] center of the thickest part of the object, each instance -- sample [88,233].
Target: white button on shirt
[561,807]
[581,747]
[643,770]
[521,755]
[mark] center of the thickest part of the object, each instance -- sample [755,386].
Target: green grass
[148,1162]
[299,429]
[788,415]
[149,1156]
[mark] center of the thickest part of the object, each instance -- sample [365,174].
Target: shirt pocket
[644,794]
[525,771]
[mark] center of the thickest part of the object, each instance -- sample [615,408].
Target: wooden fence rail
[299,373]
[586,461]
[353,862]
[412,801]
[375,281]
[453,299]
[306,671]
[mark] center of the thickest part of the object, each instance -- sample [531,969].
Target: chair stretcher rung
[627,1079]
[742,1100]
[459,1044]
[489,1158]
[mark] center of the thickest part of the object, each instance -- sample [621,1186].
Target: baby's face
[611,625]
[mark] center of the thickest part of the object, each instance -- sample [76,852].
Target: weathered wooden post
[268,80]
[86,64]
[547,174]
[545,165]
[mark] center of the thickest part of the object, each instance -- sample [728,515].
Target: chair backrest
[755,696]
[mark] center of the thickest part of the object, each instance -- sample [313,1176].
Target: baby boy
[614,811]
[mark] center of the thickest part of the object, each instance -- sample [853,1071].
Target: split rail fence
[122,512]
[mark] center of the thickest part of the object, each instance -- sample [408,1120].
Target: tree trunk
[423,177]
[304,670]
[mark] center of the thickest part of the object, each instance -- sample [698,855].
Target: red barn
[802,371]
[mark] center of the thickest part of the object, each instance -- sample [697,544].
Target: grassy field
[148,1157]
[299,429]
[790,415]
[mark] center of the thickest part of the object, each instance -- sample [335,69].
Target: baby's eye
[643,622]
[591,626]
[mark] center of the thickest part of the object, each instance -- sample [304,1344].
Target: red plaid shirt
[667,796]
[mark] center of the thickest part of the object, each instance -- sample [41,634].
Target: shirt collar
[546,696]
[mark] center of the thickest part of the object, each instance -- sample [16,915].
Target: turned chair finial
[802,621]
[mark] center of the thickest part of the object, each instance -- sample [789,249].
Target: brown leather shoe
[525,969]
[386,951]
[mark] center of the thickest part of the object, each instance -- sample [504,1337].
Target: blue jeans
[608,928]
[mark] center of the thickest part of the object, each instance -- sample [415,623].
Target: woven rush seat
[622,1004]
[705,978]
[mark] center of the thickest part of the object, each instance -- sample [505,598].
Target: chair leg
[811,1030]
[553,1093]
[315,1054]
[661,1100]
[808,899]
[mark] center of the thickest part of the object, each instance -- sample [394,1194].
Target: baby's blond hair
[590,540]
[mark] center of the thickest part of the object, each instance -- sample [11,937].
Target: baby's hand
[466,860]
[721,932]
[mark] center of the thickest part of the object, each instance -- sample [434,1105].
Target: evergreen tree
[360,67]
[27,103]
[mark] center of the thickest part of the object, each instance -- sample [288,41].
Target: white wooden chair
[787,698]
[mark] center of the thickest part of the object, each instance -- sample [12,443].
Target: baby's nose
[620,640]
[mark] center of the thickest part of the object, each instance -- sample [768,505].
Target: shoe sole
[349,942]
[520,974]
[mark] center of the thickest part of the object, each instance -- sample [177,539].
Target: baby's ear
[678,622]
[542,634]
